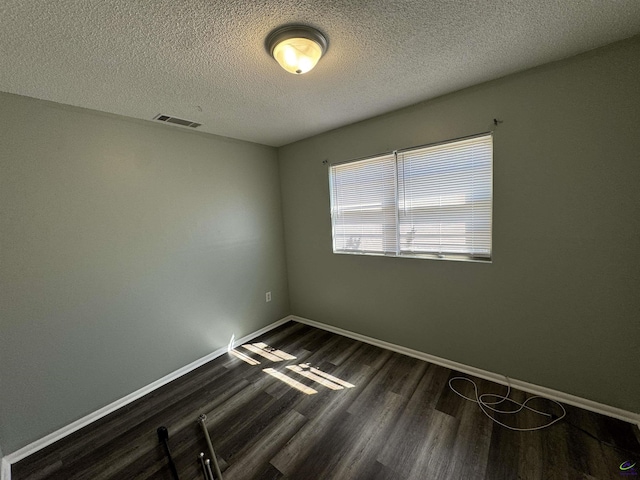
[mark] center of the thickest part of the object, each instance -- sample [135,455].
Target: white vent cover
[178,121]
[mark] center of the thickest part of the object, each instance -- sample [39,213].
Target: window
[426,202]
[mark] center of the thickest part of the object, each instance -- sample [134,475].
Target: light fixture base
[295,31]
[297,48]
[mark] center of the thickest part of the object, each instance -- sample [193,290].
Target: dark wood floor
[376,415]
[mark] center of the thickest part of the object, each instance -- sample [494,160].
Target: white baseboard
[5,469]
[477,372]
[112,407]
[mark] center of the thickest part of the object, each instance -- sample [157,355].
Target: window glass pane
[363,206]
[444,198]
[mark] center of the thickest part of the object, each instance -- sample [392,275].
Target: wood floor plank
[322,413]
[269,472]
[45,471]
[404,445]
[365,364]
[256,454]
[377,471]
[555,453]
[348,347]
[351,443]
[434,457]
[504,454]
[587,455]
[470,453]
[372,436]
[618,433]
[530,464]
[329,345]
[255,424]
[400,374]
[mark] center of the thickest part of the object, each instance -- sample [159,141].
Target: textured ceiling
[204,60]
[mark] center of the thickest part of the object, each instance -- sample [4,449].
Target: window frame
[399,252]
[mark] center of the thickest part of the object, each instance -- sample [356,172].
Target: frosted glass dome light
[296,48]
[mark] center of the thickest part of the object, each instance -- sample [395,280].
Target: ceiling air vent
[178,121]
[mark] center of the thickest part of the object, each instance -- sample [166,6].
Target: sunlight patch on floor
[262,353]
[279,353]
[316,378]
[243,357]
[290,381]
[328,376]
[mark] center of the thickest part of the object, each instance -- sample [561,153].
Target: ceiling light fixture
[297,48]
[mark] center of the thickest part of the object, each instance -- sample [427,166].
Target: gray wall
[128,249]
[560,304]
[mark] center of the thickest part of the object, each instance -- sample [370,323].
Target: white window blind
[444,198]
[429,202]
[364,206]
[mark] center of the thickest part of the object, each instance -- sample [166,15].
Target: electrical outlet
[268,296]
